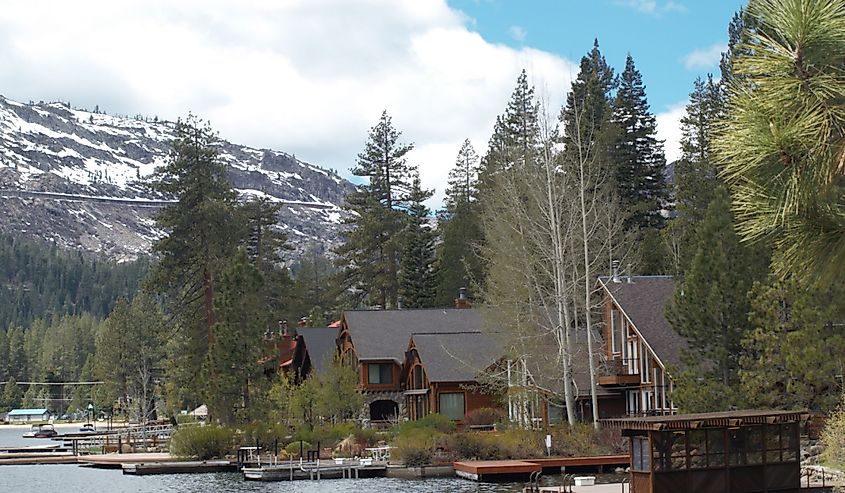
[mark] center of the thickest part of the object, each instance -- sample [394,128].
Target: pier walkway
[509,469]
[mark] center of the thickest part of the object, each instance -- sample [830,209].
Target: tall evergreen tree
[638,155]
[369,257]
[202,235]
[586,116]
[458,263]
[416,281]
[232,378]
[710,310]
[264,244]
[314,285]
[516,134]
[12,395]
[695,173]
[463,178]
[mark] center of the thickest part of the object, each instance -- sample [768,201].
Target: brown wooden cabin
[286,353]
[376,341]
[441,374]
[641,347]
[731,452]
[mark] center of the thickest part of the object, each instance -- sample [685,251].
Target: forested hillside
[38,279]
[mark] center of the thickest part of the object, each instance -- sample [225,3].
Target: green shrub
[833,439]
[432,422]
[293,448]
[266,435]
[583,439]
[202,442]
[414,447]
[483,416]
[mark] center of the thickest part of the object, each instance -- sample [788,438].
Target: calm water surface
[68,478]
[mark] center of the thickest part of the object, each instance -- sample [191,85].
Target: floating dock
[116,461]
[179,467]
[498,470]
[315,470]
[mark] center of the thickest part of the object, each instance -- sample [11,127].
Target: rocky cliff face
[100,162]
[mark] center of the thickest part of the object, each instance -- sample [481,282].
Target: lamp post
[91,413]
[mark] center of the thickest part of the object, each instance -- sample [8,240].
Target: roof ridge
[447,333]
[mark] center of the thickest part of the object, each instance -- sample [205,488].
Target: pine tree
[370,255]
[12,395]
[264,244]
[781,144]
[695,172]
[710,310]
[417,283]
[458,263]
[516,134]
[202,234]
[793,356]
[232,377]
[316,292]
[463,178]
[638,155]
[587,113]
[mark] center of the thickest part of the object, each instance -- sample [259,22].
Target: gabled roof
[643,299]
[27,412]
[384,334]
[321,344]
[456,357]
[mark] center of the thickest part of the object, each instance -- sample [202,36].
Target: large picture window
[615,331]
[452,405]
[380,373]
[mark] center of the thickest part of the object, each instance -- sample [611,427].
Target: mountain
[76,178]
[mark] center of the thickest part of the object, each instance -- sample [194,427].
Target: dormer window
[380,373]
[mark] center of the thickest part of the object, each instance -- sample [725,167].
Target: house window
[615,328]
[380,373]
[418,377]
[640,454]
[452,405]
[556,413]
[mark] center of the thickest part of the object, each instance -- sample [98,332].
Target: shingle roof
[457,357]
[321,345]
[644,300]
[384,334]
[27,412]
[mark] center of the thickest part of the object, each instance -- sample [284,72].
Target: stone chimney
[462,301]
[614,276]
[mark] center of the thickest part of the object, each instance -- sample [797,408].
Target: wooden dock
[480,470]
[291,471]
[498,470]
[179,467]
[116,461]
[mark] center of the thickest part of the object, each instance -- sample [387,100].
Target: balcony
[621,372]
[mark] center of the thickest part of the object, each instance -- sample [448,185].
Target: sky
[310,77]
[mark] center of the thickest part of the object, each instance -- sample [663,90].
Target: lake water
[62,478]
[68,478]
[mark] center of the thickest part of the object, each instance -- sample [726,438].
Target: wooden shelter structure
[731,452]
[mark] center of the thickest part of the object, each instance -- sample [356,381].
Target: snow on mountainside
[75,154]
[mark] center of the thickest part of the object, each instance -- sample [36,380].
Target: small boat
[41,431]
[87,428]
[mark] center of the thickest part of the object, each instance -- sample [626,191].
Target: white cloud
[652,6]
[305,76]
[705,58]
[517,33]
[669,130]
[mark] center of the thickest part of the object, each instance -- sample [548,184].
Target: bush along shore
[433,440]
